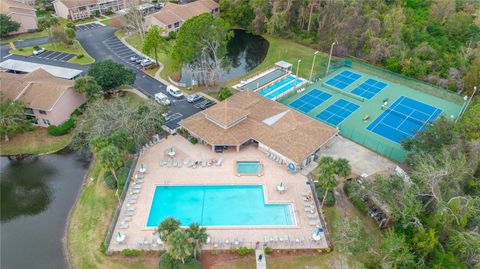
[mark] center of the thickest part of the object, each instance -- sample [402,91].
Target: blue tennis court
[369,88]
[310,100]
[343,79]
[403,119]
[337,112]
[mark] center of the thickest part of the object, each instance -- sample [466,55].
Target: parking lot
[55,56]
[123,52]
[88,26]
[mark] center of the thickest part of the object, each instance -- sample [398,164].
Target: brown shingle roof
[12,6]
[226,113]
[78,3]
[172,13]
[38,89]
[286,131]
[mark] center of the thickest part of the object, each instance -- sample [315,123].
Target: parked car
[139,60]
[192,98]
[146,62]
[169,115]
[134,58]
[38,51]
[174,91]
[206,104]
[162,98]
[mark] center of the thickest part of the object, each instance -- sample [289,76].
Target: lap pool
[229,205]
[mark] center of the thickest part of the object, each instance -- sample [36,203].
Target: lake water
[244,52]
[36,196]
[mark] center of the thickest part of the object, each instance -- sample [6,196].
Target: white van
[162,99]
[174,91]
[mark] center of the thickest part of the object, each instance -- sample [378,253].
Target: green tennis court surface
[372,110]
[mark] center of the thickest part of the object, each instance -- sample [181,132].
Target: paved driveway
[88,26]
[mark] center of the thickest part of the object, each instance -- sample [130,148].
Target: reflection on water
[244,52]
[36,196]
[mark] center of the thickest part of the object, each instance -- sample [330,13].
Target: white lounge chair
[312,215]
[123,225]
[126,219]
[141,242]
[137,187]
[309,210]
[180,163]
[204,163]
[161,163]
[313,223]
[219,161]
[305,194]
[132,196]
[134,191]
[129,213]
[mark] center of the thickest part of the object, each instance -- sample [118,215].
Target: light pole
[330,57]
[296,76]
[313,64]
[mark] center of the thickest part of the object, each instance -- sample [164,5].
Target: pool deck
[224,175]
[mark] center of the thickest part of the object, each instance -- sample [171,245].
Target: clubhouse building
[246,118]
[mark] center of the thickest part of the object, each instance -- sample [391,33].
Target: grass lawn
[88,225]
[37,141]
[24,36]
[76,49]
[289,51]
[170,67]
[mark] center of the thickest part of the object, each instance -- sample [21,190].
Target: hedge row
[350,188]
[61,129]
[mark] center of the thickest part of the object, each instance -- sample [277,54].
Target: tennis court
[403,119]
[310,100]
[337,112]
[264,80]
[369,88]
[343,80]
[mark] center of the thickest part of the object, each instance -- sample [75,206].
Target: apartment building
[82,9]
[172,16]
[20,12]
[49,100]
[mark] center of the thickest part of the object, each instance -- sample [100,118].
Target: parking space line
[115,44]
[123,53]
[45,54]
[53,57]
[58,57]
[66,55]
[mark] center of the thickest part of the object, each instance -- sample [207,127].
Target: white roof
[28,67]
[139,7]
[283,64]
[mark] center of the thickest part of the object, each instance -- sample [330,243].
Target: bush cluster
[329,200]
[79,56]
[350,188]
[61,129]
[167,262]
[131,252]
[268,250]
[193,140]
[243,251]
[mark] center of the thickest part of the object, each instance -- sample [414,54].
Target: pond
[245,51]
[37,194]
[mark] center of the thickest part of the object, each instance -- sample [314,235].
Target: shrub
[122,174]
[109,180]
[329,200]
[167,262]
[79,111]
[193,140]
[224,93]
[103,248]
[131,252]
[62,129]
[268,250]
[350,188]
[70,25]
[20,49]
[36,47]
[243,251]
[79,56]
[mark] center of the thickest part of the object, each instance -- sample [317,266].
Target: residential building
[247,118]
[49,100]
[172,16]
[82,9]
[21,13]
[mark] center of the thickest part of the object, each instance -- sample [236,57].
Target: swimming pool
[278,89]
[218,205]
[248,168]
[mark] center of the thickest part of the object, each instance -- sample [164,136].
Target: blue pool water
[235,205]
[248,167]
[280,87]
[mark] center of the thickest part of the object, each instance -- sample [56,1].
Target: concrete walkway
[262,264]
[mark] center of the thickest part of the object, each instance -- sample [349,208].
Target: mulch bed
[209,259]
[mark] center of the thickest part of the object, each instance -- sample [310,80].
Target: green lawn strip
[88,225]
[282,49]
[24,36]
[76,49]
[87,20]
[37,141]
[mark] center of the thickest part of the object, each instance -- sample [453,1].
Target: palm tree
[325,173]
[342,168]
[167,227]
[179,246]
[198,235]
[111,158]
